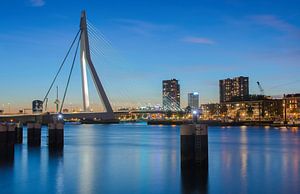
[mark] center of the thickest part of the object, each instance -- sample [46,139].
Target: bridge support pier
[34,134]
[19,133]
[56,136]
[194,145]
[7,142]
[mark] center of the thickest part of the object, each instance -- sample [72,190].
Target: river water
[136,158]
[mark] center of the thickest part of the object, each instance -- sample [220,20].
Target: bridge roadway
[48,117]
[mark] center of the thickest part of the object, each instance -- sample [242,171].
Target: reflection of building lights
[294,129]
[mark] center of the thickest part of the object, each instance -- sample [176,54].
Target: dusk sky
[197,42]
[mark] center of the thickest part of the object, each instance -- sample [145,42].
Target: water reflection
[6,155]
[194,179]
[6,162]
[86,171]
[56,153]
[146,159]
[6,172]
[244,152]
[56,160]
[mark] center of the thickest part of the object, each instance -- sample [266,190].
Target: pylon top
[83,20]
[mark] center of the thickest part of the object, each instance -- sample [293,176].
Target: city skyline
[150,96]
[264,46]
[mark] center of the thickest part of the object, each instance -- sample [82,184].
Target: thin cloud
[275,22]
[198,40]
[37,3]
[143,27]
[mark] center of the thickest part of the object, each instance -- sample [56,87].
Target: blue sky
[197,42]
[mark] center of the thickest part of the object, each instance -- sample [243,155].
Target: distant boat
[72,123]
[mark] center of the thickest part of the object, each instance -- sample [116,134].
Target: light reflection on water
[136,158]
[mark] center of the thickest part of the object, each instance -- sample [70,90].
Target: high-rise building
[171,95]
[234,89]
[193,100]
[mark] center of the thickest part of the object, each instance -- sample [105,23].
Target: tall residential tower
[234,89]
[193,100]
[171,95]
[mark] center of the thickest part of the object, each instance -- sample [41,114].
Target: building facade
[291,104]
[251,110]
[235,89]
[210,111]
[193,100]
[171,95]
[254,110]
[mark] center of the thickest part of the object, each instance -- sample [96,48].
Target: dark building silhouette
[234,89]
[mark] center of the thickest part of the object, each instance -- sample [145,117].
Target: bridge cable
[103,44]
[62,64]
[71,70]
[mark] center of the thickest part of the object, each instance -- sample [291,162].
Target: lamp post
[195,115]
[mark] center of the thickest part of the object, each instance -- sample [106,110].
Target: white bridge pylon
[86,61]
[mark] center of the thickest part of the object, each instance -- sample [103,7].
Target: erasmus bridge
[86,62]
[81,44]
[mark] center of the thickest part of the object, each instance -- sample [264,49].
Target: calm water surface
[136,158]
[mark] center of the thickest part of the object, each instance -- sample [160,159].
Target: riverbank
[220,123]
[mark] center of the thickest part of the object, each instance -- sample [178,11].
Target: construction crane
[262,92]
[260,104]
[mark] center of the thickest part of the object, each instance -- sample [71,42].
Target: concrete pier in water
[56,135]
[19,133]
[7,141]
[34,134]
[194,145]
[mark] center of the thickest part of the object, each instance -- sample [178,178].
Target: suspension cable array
[101,48]
[60,68]
[69,78]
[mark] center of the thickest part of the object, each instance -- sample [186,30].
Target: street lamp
[60,116]
[195,115]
